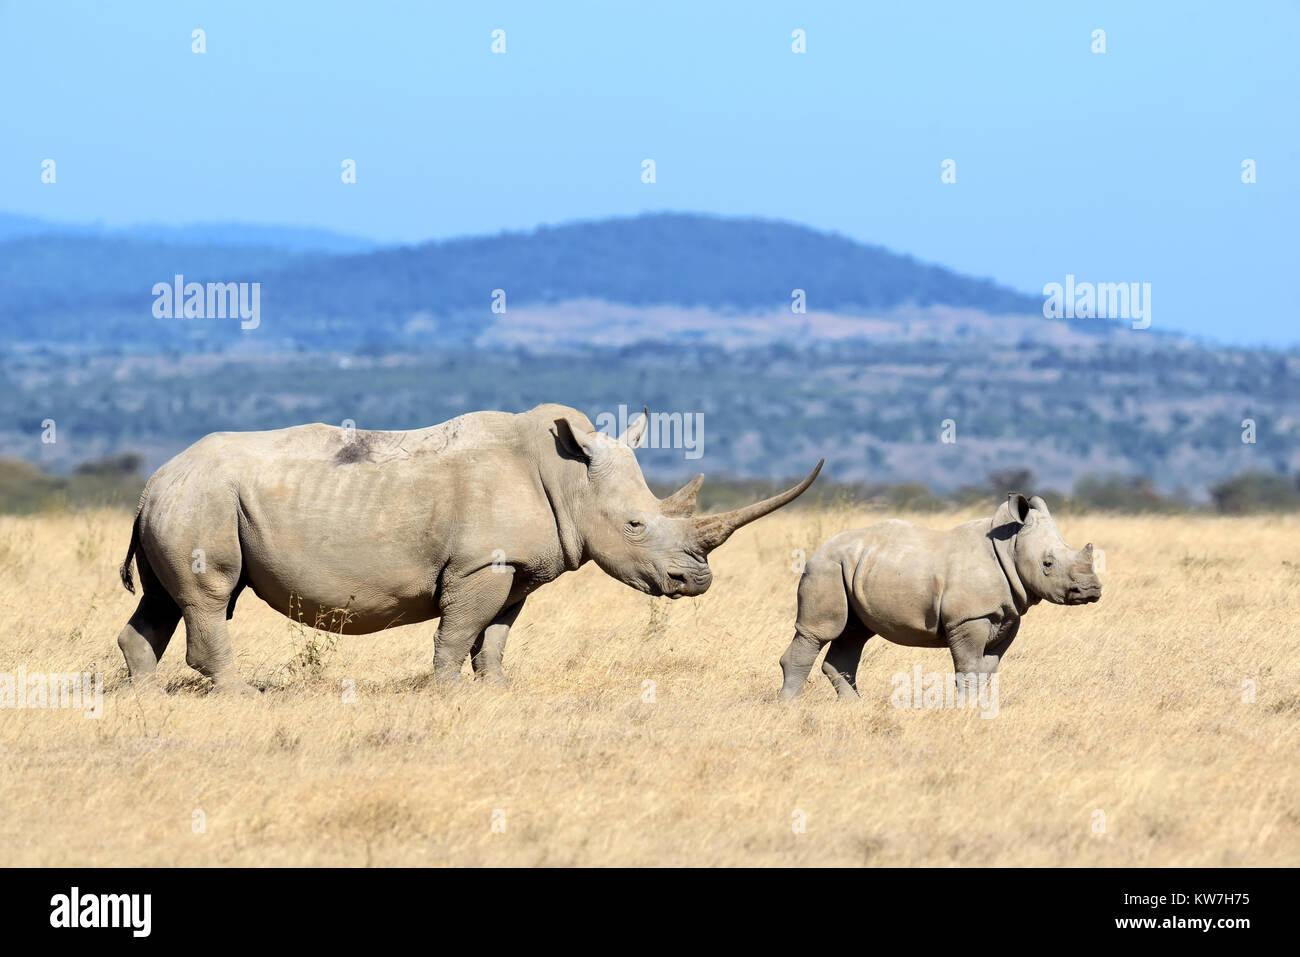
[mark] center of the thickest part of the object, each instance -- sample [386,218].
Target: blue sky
[1124,166]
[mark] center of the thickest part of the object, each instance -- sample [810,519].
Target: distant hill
[69,281]
[662,259]
[288,238]
[93,285]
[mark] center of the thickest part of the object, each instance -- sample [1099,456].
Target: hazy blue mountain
[60,287]
[662,259]
[87,285]
[286,238]
[19,227]
[292,239]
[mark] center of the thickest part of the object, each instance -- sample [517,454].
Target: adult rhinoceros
[461,522]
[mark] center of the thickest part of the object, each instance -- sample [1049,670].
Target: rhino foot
[146,685]
[796,663]
[237,688]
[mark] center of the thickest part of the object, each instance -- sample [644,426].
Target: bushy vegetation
[1256,492]
[24,488]
[118,481]
[874,410]
[1251,492]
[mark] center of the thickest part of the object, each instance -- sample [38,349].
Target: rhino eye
[1047,564]
[634,525]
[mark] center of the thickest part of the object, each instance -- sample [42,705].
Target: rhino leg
[974,651]
[796,663]
[968,643]
[490,646]
[841,662]
[993,653]
[208,650]
[470,606]
[146,635]
[823,616]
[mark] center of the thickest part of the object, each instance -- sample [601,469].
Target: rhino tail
[128,582]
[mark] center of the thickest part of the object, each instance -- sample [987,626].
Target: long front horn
[712,530]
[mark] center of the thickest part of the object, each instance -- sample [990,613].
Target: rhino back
[360,519]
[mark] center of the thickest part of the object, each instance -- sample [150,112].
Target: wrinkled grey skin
[966,589]
[461,522]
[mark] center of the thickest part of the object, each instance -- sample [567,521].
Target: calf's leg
[969,643]
[993,653]
[796,663]
[823,615]
[841,662]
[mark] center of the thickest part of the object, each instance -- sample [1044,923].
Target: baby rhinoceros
[966,588]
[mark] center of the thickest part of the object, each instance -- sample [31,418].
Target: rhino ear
[1038,503]
[1019,507]
[578,440]
[634,434]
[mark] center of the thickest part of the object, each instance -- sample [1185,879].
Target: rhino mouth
[680,583]
[1082,594]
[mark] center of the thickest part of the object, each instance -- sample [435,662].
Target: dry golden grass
[1133,707]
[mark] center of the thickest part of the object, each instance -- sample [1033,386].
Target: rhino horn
[681,504]
[712,530]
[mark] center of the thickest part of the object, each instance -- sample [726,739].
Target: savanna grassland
[1135,707]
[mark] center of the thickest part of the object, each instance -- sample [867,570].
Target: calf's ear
[1019,506]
